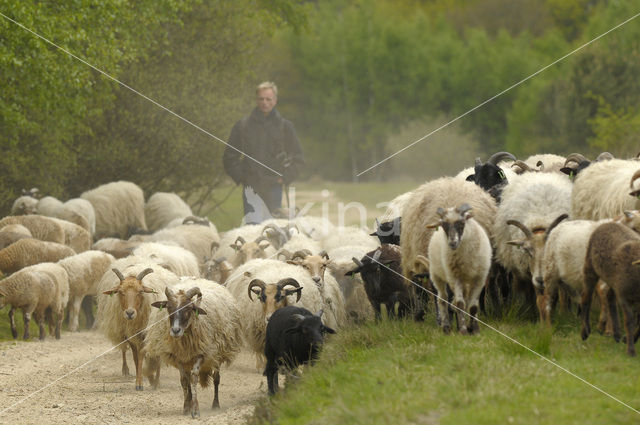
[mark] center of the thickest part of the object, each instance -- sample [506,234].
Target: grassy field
[410,373]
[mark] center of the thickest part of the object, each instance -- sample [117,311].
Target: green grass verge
[410,373]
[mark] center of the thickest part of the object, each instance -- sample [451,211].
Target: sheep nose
[316,279]
[130,313]
[539,282]
[176,332]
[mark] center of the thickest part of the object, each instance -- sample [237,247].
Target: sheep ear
[518,243]
[294,262]
[433,225]
[264,245]
[352,272]
[288,292]
[198,310]
[112,290]
[148,290]
[635,263]
[159,304]
[328,330]
[235,247]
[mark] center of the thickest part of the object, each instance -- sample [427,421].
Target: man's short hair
[267,85]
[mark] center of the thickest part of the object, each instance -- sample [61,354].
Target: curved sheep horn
[376,255]
[255,282]
[320,313]
[540,165]
[302,253]
[169,293]
[260,239]
[324,254]
[377,223]
[635,263]
[358,262]
[290,281]
[196,220]
[193,291]
[499,156]
[241,240]
[285,252]
[635,176]
[523,165]
[478,162]
[441,212]
[522,227]
[118,273]
[555,223]
[575,157]
[214,247]
[143,273]
[463,208]
[604,156]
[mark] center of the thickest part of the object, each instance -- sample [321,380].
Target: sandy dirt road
[98,393]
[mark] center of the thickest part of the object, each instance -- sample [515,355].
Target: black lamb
[294,337]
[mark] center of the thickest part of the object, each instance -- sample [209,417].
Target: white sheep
[421,211]
[79,211]
[280,282]
[196,238]
[41,290]
[12,233]
[75,236]
[85,271]
[48,206]
[601,190]
[124,305]
[197,331]
[172,257]
[25,204]
[41,227]
[27,252]
[162,207]
[118,207]
[459,257]
[353,236]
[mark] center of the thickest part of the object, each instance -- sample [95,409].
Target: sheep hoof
[446,329]
[585,333]
[139,387]
[623,339]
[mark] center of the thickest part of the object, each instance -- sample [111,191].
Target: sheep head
[489,174]
[274,295]
[315,265]
[277,236]
[452,220]
[182,309]
[634,191]
[130,292]
[580,164]
[246,251]
[631,219]
[218,270]
[533,245]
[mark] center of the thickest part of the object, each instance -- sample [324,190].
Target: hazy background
[360,80]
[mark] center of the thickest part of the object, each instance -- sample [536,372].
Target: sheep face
[246,251]
[218,270]
[389,231]
[631,219]
[310,332]
[533,244]
[315,265]
[274,295]
[490,175]
[182,309]
[453,221]
[131,292]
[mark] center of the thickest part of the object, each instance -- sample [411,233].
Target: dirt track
[98,393]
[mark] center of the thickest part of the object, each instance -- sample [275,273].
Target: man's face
[266,100]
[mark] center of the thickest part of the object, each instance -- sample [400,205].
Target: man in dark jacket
[267,155]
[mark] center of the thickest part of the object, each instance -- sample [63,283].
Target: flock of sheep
[174,291]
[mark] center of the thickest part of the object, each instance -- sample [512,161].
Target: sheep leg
[87,307]
[12,322]
[137,359]
[186,390]
[195,375]
[461,313]
[271,371]
[443,307]
[613,315]
[630,326]
[59,320]
[39,318]
[26,319]
[216,383]
[473,327]
[588,286]
[125,367]
[541,303]
[73,313]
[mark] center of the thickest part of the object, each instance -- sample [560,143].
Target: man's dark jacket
[265,139]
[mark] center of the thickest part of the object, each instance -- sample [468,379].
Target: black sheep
[294,337]
[389,231]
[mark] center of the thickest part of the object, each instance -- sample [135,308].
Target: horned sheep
[460,258]
[41,290]
[203,322]
[124,318]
